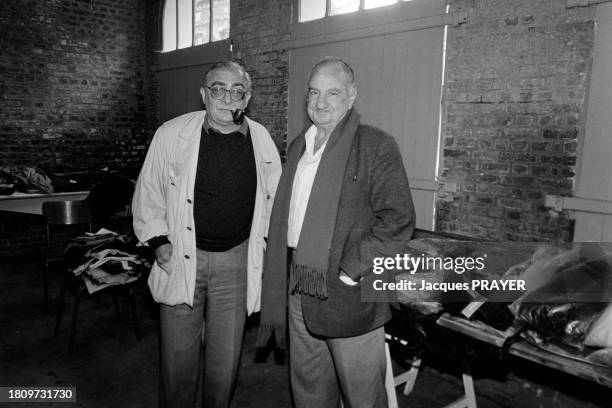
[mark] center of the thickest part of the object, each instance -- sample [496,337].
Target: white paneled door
[398,64]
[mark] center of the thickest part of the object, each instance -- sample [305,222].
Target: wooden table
[566,363]
[32,203]
[522,349]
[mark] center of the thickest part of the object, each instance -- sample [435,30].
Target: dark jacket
[375,219]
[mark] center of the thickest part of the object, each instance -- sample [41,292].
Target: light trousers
[323,370]
[215,324]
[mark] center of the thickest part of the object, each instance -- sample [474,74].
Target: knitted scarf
[308,273]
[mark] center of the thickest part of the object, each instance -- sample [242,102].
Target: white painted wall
[398,64]
[594,178]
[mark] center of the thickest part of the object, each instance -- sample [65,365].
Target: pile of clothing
[24,179]
[570,299]
[106,258]
[566,304]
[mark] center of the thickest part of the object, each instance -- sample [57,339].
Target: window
[194,22]
[315,9]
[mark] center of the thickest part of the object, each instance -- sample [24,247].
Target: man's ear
[203,93]
[352,95]
[247,98]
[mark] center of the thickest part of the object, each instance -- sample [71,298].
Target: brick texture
[256,30]
[79,88]
[153,44]
[73,94]
[72,83]
[513,114]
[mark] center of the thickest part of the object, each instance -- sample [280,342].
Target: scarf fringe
[267,331]
[308,280]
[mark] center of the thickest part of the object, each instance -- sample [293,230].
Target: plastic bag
[578,288]
[602,357]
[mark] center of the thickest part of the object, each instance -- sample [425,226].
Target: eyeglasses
[217,92]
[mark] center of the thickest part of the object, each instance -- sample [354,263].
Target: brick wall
[72,93]
[513,115]
[152,38]
[256,30]
[72,82]
[79,88]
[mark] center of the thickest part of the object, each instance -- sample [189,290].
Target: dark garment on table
[80,249]
[110,196]
[225,186]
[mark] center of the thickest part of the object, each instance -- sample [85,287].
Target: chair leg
[60,309]
[132,310]
[126,303]
[75,316]
[45,285]
[117,308]
[389,384]
[45,271]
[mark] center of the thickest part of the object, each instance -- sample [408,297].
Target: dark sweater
[225,186]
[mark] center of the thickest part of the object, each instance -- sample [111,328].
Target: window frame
[193,26]
[401,16]
[328,5]
[196,55]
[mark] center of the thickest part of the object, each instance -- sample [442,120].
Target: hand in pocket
[163,256]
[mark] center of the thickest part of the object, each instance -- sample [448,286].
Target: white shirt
[302,185]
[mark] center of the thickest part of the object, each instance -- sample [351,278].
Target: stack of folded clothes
[106,259]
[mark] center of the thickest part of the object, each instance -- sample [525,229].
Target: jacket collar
[193,126]
[243,129]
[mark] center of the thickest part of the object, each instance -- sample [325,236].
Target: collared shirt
[244,127]
[302,185]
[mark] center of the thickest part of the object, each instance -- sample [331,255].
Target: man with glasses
[343,200]
[202,203]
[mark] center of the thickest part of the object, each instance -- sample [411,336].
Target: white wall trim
[374,31]
[421,184]
[192,56]
[559,203]
[583,3]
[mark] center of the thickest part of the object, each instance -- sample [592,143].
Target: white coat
[163,205]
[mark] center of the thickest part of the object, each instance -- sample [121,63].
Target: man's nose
[321,101]
[226,98]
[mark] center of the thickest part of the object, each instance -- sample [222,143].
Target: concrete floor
[110,368]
